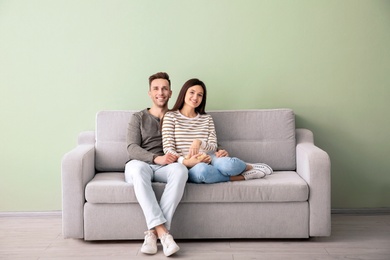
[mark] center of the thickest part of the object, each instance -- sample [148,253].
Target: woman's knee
[198,173]
[229,166]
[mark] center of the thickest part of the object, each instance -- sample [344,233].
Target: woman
[188,132]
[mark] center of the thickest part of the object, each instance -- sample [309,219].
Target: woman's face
[194,96]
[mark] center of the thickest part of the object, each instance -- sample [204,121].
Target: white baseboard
[362,211]
[56,213]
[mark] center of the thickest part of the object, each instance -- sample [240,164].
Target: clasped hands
[195,156]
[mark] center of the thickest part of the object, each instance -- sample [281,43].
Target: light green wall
[62,61]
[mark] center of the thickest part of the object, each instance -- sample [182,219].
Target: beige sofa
[293,202]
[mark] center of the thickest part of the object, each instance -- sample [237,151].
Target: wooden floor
[353,237]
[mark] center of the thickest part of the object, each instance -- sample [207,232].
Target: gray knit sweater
[144,140]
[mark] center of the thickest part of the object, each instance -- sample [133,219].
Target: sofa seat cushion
[282,186]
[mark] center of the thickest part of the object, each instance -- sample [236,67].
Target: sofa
[293,202]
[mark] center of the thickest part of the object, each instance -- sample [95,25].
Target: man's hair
[159,75]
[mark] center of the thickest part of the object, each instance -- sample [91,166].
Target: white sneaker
[150,244]
[169,245]
[262,167]
[253,174]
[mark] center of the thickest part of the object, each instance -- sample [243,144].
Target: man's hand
[221,153]
[165,159]
[195,159]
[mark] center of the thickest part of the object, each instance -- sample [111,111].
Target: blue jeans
[141,175]
[219,170]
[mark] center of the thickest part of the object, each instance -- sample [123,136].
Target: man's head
[160,89]
[159,75]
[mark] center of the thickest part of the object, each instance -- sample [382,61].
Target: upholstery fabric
[111,130]
[110,187]
[268,137]
[202,221]
[293,202]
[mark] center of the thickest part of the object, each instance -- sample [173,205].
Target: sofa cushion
[263,135]
[282,186]
[266,136]
[111,131]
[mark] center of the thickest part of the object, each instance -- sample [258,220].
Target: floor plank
[39,237]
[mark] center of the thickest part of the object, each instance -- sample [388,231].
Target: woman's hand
[195,159]
[221,153]
[194,148]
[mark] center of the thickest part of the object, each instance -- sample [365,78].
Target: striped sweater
[179,131]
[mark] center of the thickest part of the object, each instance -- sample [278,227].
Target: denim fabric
[219,170]
[141,175]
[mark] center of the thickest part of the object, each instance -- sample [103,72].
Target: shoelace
[167,239]
[149,235]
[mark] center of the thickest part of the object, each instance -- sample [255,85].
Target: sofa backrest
[266,135]
[111,131]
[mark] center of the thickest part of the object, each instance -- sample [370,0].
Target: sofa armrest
[77,169]
[313,165]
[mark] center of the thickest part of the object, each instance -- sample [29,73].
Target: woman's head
[193,89]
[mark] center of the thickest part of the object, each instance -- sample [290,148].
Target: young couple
[173,146]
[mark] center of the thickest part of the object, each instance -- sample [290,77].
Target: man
[148,163]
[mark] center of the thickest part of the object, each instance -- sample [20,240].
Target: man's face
[160,92]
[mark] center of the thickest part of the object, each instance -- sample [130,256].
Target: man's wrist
[154,158]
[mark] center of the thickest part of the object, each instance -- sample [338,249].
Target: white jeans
[142,174]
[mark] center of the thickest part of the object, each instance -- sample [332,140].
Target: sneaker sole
[149,252]
[174,251]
